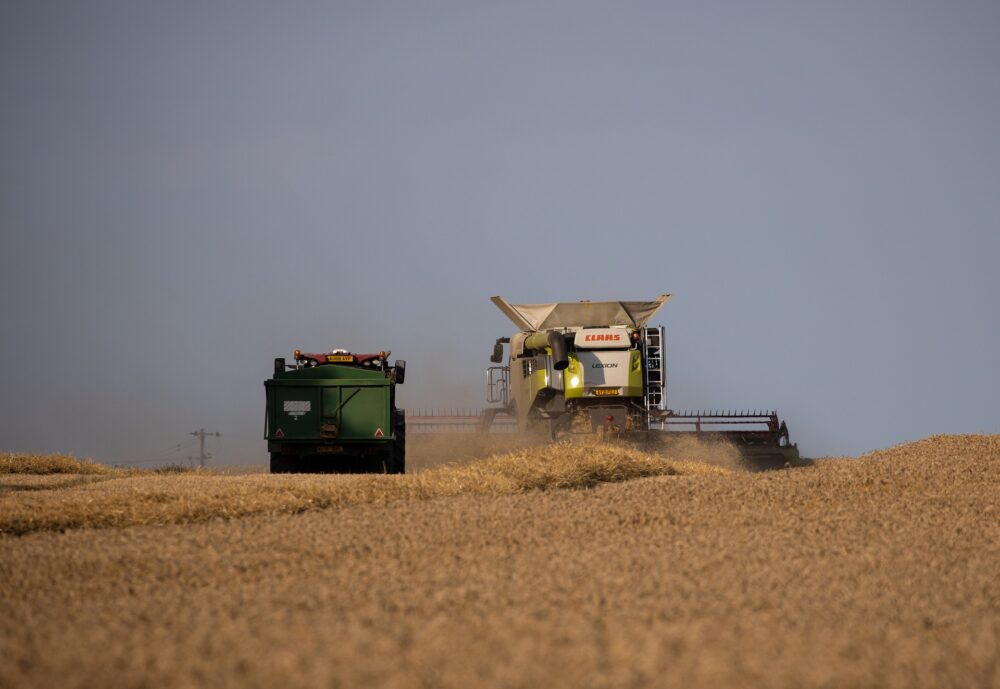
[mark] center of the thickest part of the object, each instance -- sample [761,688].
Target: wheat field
[509,565]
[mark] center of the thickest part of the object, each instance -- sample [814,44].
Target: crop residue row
[45,503]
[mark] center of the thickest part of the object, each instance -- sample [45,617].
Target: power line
[202,455]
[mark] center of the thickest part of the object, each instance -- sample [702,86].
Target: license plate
[339,358]
[605,392]
[329,449]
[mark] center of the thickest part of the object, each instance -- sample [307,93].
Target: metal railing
[498,385]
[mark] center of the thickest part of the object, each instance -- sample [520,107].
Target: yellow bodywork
[530,379]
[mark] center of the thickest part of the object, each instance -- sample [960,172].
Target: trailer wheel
[399,446]
[282,464]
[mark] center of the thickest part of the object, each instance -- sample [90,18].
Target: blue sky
[188,190]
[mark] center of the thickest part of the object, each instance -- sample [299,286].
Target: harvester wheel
[557,427]
[399,446]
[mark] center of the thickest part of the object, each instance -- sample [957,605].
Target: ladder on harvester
[655,377]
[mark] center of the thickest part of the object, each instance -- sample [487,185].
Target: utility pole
[202,455]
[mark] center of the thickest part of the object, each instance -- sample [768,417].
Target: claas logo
[611,337]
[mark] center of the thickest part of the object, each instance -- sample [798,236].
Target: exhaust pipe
[553,340]
[497,356]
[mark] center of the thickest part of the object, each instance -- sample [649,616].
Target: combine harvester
[597,368]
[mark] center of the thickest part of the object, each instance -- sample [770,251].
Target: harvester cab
[598,367]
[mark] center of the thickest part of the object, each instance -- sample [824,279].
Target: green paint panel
[295,411]
[358,410]
[330,372]
[300,402]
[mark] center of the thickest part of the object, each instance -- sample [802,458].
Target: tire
[399,445]
[282,464]
[542,428]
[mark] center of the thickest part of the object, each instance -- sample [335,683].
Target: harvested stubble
[875,572]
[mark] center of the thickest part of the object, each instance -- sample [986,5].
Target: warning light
[298,354]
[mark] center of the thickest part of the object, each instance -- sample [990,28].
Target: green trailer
[336,412]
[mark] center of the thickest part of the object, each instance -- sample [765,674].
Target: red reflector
[609,418]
